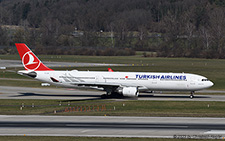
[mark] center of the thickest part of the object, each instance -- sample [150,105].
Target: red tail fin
[29,59]
[110,70]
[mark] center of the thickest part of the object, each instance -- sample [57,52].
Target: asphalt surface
[9,92]
[97,126]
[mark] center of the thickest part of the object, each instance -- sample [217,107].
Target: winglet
[110,70]
[29,59]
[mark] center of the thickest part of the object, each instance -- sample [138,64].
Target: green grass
[11,74]
[10,57]
[213,69]
[122,108]
[20,83]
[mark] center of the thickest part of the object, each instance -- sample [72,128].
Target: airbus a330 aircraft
[124,83]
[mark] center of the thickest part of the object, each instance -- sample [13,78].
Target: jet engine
[129,91]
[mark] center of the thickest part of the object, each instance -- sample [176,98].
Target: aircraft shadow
[55,95]
[100,96]
[95,97]
[112,97]
[170,96]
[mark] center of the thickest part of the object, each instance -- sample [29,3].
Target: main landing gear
[192,94]
[107,95]
[111,95]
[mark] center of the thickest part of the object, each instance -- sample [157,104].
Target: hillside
[172,28]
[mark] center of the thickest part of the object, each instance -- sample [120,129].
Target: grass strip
[112,108]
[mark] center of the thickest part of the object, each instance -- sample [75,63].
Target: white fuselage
[144,81]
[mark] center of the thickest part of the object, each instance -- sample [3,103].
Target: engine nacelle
[129,91]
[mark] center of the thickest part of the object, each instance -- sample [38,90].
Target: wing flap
[96,84]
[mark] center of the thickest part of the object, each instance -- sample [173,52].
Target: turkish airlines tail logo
[29,60]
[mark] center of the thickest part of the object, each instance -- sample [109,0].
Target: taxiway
[9,92]
[98,126]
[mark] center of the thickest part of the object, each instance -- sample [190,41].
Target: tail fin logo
[30,61]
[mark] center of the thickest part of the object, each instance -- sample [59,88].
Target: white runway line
[215,132]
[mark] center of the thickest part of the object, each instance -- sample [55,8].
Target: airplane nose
[210,84]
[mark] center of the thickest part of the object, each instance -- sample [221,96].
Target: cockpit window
[205,80]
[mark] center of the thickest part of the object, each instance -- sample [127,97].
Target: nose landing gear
[192,94]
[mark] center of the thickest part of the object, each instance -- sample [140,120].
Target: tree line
[171,28]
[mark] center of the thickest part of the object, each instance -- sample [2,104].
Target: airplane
[127,84]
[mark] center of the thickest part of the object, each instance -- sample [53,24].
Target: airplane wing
[96,84]
[108,85]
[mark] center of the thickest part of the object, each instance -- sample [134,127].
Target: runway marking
[215,132]
[84,131]
[156,126]
[75,125]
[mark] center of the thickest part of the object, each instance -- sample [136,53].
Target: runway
[9,92]
[98,126]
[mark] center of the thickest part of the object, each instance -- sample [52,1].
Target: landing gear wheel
[192,95]
[107,95]
[104,96]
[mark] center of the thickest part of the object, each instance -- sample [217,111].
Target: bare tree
[217,22]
